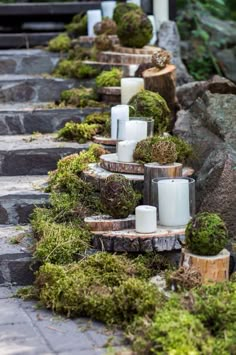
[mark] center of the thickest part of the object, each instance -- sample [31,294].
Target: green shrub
[206,234]
[61,43]
[109,78]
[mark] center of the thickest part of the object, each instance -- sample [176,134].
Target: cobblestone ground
[28,330]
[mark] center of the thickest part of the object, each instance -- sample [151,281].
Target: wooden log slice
[110,162]
[107,223]
[145,50]
[88,41]
[212,268]
[129,241]
[105,140]
[124,58]
[110,95]
[163,82]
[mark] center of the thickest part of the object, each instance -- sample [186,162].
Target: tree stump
[107,223]
[212,268]
[163,82]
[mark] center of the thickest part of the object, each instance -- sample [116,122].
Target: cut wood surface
[107,223]
[212,268]
[127,50]
[165,239]
[123,58]
[110,162]
[162,81]
[105,140]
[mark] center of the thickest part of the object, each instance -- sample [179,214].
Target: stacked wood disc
[107,223]
[212,268]
[110,95]
[88,41]
[110,162]
[145,50]
[105,140]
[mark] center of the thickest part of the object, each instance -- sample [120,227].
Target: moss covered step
[25,40]
[23,88]
[164,239]
[15,257]
[27,61]
[18,197]
[124,58]
[33,154]
[27,118]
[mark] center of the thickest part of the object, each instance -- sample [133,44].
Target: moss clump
[61,43]
[121,9]
[103,43]
[78,25]
[79,132]
[160,58]
[109,78]
[74,69]
[206,234]
[183,279]
[150,104]
[79,53]
[144,150]
[82,97]
[66,177]
[118,197]
[106,26]
[135,29]
[103,119]
[164,152]
[100,286]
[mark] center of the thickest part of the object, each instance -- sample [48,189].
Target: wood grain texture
[212,268]
[123,58]
[105,140]
[107,223]
[110,162]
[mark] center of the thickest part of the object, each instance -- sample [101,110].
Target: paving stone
[28,61]
[5,292]
[24,346]
[33,155]
[27,118]
[11,312]
[25,40]
[18,197]
[23,88]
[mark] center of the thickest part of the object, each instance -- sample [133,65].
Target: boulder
[169,39]
[226,60]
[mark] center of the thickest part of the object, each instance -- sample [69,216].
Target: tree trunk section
[107,223]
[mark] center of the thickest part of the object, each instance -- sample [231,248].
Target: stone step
[15,257]
[25,40]
[27,118]
[33,154]
[23,88]
[27,61]
[18,197]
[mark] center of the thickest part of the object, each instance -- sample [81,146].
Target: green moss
[121,9]
[118,197]
[78,25]
[74,69]
[149,104]
[106,26]
[206,234]
[82,97]
[109,78]
[101,118]
[103,43]
[99,286]
[135,29]
[61,43]
[144,149]
[79,132]
[80,53]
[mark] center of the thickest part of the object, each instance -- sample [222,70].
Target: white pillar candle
[135,130]
[173,202]
[136,2]
[146,219]
[160,11]
[108,8]
[132,69]
[125,151]
[154,31]
[120,112]
[130,87]
[94,16]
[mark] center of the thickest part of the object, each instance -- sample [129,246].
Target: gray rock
[169,39]
[227,60]
[7,65]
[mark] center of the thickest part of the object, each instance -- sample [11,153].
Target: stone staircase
[26,156]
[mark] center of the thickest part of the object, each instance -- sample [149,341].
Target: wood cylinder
[212,268]
[110,95]
[107,223]
[155,170]
[162,81]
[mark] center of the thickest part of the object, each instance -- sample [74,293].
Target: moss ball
[109,78]
[161,58]
[103,43]
[106,26]
[150,104]
[118,196]
[135,30]
[164,152]
[121,9]
[206,234]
